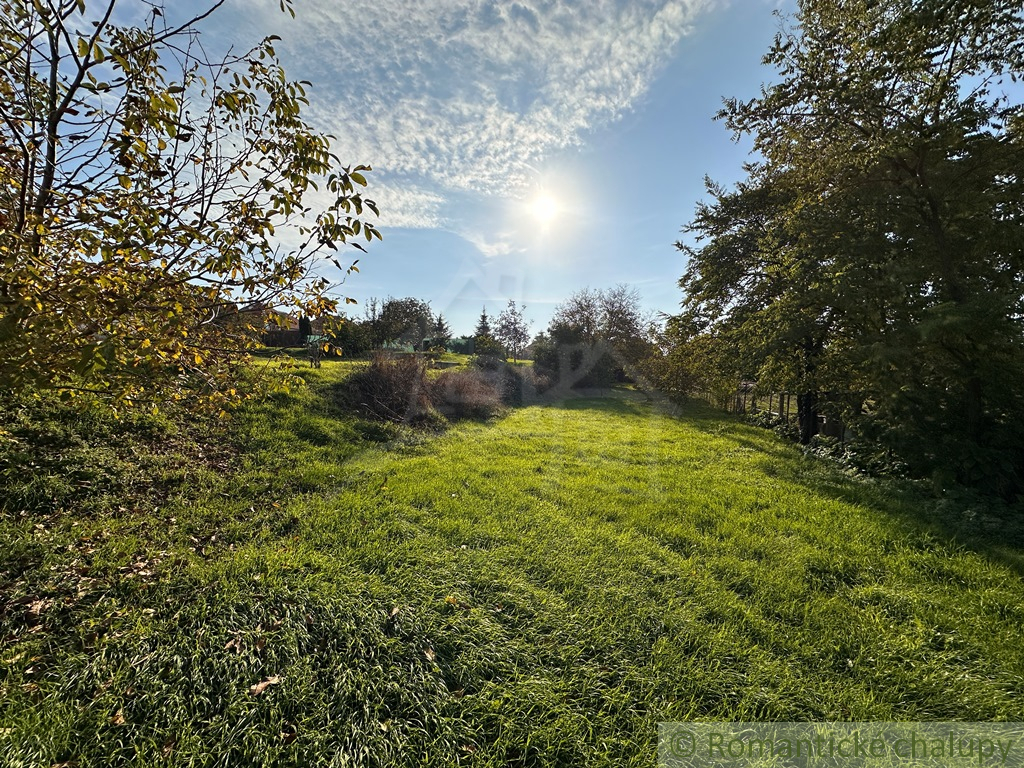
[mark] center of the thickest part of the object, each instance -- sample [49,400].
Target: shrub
[465,394]
[577,365]
[487,346]
[393,388]
[487,362]
[521,383]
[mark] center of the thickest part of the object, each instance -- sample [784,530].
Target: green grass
[541,589]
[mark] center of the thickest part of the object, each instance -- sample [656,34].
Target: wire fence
[781,406]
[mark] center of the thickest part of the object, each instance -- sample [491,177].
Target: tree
[483,325]
[351,336]
[595,336]
[489,351]
[511,329]
[403,321]
[577,320]
[441,332]
[876,252]
[144,187]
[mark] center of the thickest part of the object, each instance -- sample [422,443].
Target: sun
[544,208]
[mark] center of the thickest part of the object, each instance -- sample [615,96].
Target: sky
[521,149]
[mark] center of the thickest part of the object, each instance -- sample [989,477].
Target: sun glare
[544,208]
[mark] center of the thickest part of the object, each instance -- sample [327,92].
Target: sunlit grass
[537,590]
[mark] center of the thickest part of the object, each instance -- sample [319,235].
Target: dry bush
[468,394]
[392,388]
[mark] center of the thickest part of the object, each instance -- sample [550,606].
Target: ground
[539,589]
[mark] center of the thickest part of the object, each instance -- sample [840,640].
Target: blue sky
[522,150]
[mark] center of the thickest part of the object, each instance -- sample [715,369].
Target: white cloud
[470,95]
[405,206]
[501,245]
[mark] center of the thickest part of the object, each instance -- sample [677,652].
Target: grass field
[541,589]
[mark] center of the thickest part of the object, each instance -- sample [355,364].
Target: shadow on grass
[961,518]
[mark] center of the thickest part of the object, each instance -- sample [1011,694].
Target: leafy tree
[441,332]
[483,325]
[405,321]
[143,190]
[595,336]
[511,329]
[875,255]
[351,336]
[577,320]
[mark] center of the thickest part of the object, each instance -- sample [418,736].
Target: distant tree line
[410,323]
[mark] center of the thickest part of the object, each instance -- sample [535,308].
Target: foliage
[511,329]
[521,384]
[489,352]
[483,325]
[678,364]
[394,388]
[441,332]
[399,321]
[875,253]
[353,337]
[462,345]
[465,394]
[595,338]
[144,187]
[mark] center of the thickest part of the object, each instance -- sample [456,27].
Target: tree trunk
[807,415]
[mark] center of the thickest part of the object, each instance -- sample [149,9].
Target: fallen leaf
[289,733]
[429,653]
[394,612]
[169,746]
[261,686]
[118,719]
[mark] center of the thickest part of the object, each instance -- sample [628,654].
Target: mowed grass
[541,589]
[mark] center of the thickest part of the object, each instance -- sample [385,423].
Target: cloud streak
[470,95]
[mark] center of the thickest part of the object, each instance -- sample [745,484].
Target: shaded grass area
[540,589]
